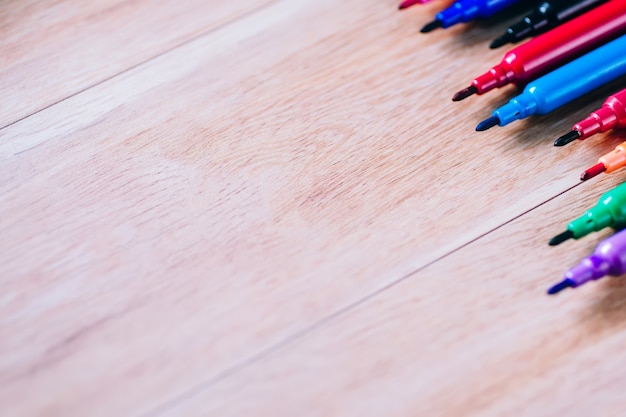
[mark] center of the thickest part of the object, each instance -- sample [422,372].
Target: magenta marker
[408,3]
[609,258]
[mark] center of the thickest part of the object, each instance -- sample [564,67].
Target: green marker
[609,212]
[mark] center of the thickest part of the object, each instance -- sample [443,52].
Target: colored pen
[609,258]
[564,84]
[611,115]
[608,163]
[462,11]
[547,15]
[610,211]
[408,3]
[551,50]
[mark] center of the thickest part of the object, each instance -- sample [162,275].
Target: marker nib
[589,173]
[566,283]
[567,138]
[465,93]
[432,26]
[406,4]
[558,239]
[488,123]
[498,42]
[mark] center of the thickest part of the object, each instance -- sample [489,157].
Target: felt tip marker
[608,163]
[408,3]
[610,211]
[553,49]
[611,115]
[548,15]
[462,11]
[564,84]
[609,258]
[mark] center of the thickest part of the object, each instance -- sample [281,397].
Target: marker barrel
[567,83]
[551,50]
[548,15]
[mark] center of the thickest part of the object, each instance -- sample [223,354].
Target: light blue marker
[563,85]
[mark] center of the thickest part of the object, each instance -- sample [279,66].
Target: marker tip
[507,37]
[429,27]
[566,283]
[498,42]
[560,238]
[595,170]
[567,138]
[465,93]
[488,123]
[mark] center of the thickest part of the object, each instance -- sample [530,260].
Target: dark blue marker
[466,10]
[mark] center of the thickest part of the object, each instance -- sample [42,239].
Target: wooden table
[272,208]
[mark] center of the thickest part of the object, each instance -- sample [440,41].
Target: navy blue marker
[467,10]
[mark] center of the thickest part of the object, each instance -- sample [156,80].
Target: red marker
[611,115]
[552,49]
[408,3]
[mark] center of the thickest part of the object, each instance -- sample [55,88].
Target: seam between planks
[264,353]
[145,61]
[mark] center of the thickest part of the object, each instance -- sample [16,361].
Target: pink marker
[408,3]
[609,258]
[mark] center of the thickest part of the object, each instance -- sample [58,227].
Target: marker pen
[547,15]
[564,84]
[610,211]
[609,258]
[551,50]
[611,115]
[408,3]
[462,11]
[608,163]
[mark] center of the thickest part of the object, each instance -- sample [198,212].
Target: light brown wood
[472,335]
[58,49]
[167,229]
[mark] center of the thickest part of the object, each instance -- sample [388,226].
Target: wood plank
[168,225]
[473,335]
[50,50]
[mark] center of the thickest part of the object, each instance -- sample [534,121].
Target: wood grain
[53,49]
[174,224]
[472,335]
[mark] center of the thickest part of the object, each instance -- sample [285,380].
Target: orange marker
[608,163]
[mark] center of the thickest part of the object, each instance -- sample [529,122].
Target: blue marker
[563,85]
[465,10]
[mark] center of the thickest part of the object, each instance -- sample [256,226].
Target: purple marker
[609,258]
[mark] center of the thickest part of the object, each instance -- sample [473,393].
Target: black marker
[546,16]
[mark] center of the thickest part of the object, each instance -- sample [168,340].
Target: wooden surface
[273,209]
